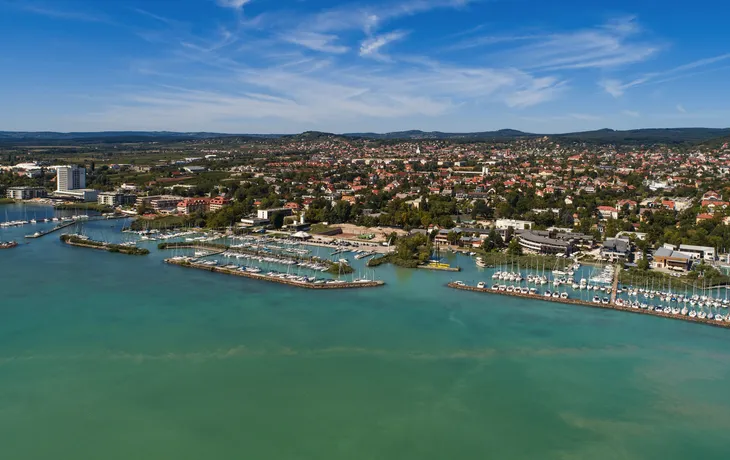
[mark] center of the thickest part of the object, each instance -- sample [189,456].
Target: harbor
[721,322]
[274,277]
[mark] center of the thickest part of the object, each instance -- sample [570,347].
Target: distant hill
[648,136]
[416,134]
[635,136]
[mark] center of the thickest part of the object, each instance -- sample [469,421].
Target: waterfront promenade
[609,306]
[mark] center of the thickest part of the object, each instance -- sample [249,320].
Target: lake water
[117,357]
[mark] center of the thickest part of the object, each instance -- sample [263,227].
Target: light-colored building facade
[26,193]
[698,252]
[268,213]
[85,194]
[70,178]
[115,199]
[160,202]
[504,224]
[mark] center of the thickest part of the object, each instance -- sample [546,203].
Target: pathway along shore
[273,279]
[709,322]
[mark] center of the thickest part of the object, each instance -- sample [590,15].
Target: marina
[677,314]
[275,277]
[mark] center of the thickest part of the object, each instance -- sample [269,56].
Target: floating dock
[610,306]
[273,279]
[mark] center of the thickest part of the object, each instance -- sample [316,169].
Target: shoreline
[583,303]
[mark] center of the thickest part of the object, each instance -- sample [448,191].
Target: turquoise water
[116,357]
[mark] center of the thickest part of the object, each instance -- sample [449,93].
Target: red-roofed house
[608,212]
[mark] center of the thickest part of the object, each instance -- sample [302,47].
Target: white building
[84,194]
[26,193]
[698,252]
[115,199]
[70,178]
[268,213]
[504,224]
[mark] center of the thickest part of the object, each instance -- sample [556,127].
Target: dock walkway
[612,306]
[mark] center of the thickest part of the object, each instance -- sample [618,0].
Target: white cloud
[236,4]
[316,41]
[631,113]
[614,44]
[539,91]
[371,47]
[681,109]
[616,88]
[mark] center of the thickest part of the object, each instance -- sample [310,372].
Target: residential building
[218,203]
[160,203]
[115,199]
[26,193]
[608,212]
[192,205]
[504,224]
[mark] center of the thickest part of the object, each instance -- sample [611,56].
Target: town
[654,208]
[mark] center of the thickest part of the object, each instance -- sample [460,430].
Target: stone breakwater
[709,322]
[275,279]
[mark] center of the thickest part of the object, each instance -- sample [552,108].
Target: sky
[288,66]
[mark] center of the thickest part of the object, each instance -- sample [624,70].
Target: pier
[68,224]
[48,232]
[274,279]
[583,303]
[617,271]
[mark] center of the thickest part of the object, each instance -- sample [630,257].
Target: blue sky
[285,66]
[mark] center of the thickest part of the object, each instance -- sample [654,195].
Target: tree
[514,248]
[453,237]
[643,264]
[277,220]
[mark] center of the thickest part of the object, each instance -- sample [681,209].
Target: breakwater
[101,246]
[583,303]
[273,279]
[332,267]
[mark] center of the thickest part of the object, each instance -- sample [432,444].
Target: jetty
[68,224]
[583,303]
[83,242]
[49,231]
[183,262]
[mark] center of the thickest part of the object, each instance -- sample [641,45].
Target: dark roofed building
[614,248]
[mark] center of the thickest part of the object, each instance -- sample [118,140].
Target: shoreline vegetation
[334,268]
[75,240]
[7,200]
